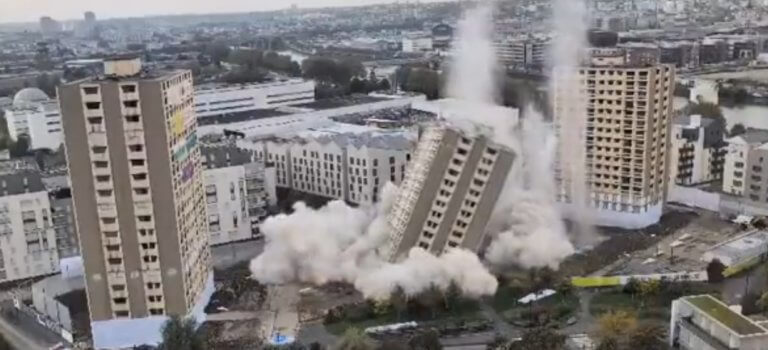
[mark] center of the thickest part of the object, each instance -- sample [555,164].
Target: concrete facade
[697,151]
[705,323]
[140,214]
[223,99]
[448,194]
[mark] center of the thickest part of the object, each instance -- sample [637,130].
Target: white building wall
[735,164]
[227,215]
[413,45]
[246,97]
[42,124]
[27,237]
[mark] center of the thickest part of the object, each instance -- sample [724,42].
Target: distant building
[37,117]
[746,165]
[416,44]
[139,200]
[217,100]
[28,245]
[344,161]
[640,54]
[449,192]
[442,36]
[49,26]
[705,91]
[704,323]
[697,150]
[625,138]
[521,52]
[239,191]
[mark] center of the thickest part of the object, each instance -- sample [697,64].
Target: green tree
[608,343]
[616,325]
[355,339]
[427,340]
[48,83]
[737,129]
[399,301]
[4,345]
[425,81]
[647,337]
[452,295]
[180,334]
[218,51]
[431,299]
[715,270]
[357,86]
[539,338]
[20,147]
[384,85]
[649,288]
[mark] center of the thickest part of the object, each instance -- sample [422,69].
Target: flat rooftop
[331,103]
[747,242]
[716,309]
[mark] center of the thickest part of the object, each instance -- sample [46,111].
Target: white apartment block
[417,44]
[36,118]
[346,162]
[239,192]
[704,323]
[226,99]
[27,235]
[521,51]
[623,143]
[745,173]
[696,151]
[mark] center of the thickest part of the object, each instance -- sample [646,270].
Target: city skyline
[30,11]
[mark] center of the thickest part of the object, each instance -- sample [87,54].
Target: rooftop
[729,318]
[223,154]
[752,136]
[734,247]
[358,136]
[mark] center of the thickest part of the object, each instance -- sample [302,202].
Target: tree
[616,325]
[218,51]
[355,339]
[737,129]
[763,302]
[715,270]
[608,343]
[431,299]
[48,83]
[539,338]
[384,85]
[707,110]
[425,81]
[4,345]
[649,288]
[399,301]
[20,148]
[452,295]
[180,334]
[428,340]
[647,337]
[357,86]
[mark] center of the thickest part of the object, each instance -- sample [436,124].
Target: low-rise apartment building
[35,116]
[697,150]
[215,100]
[745,173]
[239,191]
[705,323]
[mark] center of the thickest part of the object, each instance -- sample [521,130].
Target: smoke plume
[339,243]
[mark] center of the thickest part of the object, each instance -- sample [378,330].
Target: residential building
[449,192]
[521,51]
[442,36]
[639,54]
[342,161]
[704,323]
[216,100]
[745,173]
[621,155]
[239,192]
[139,202]
[416,44]
[697,150]
[37,117]
[28,245]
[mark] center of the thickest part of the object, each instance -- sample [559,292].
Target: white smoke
[339,243]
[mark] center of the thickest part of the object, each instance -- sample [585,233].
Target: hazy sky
[32,10]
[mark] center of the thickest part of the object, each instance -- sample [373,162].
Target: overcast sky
[32,10]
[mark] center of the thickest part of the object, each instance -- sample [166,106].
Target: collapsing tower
[449,192]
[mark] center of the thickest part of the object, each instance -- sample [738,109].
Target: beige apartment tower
[139,204]
[613,122]
[449,192]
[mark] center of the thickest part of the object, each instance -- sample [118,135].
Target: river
[751,116]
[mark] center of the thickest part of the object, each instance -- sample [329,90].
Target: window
[90,90]
[140,176]
[145,218]
[141,191]
[118,287]
[137,162]
[95,120]
[121,314]
[453,172]
[462,151]
[119,300]
[479,182]
[102,178]
[150,258]
[131,104]
[115,261]
[153,285]
[92,105]
[101,164]
[113,247]
[99,149]
[155,298]
[104,193]
[423,245]
[132,118]
[155,312]
[452,244]
[128,88]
